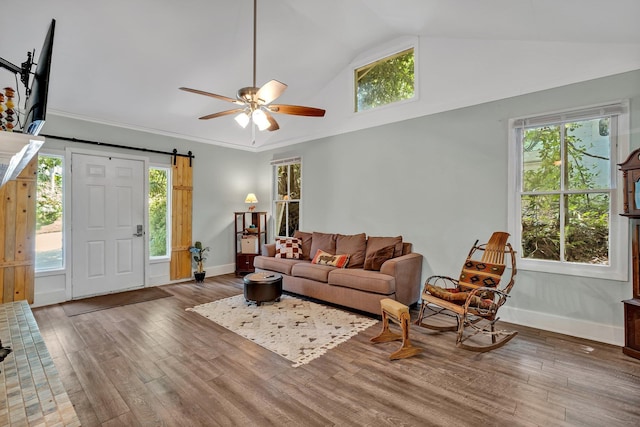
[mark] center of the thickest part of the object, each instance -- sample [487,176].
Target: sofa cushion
[287,247]
[324,242]
[305,238]
[364,280]
[355,245]
[317,272]
[375,260]
[280,265]
[324,258]
[375,243]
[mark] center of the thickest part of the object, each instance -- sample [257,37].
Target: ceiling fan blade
[296,110]
[273,125]
[270,91]
[212,95]
[221,113]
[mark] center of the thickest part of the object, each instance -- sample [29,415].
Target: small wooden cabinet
[243,230]
[244,263]
[632,328]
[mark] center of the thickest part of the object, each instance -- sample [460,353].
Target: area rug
[297,330]
[102,302]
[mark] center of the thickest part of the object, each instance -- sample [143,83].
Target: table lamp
[251,198]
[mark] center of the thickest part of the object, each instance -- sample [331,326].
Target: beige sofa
[378,267]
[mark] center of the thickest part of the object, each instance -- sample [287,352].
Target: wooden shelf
[242,221]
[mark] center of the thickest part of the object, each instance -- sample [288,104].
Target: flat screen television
[36,104]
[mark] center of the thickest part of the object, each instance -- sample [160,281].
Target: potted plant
[199,255]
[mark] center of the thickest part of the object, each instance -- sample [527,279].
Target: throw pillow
[325,258]
[375,243]
[305,239]
[288,248]
[374,260]
[324,241]
[354,245]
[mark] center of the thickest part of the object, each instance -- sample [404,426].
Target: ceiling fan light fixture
[255,102]
[260,119]
[243,119]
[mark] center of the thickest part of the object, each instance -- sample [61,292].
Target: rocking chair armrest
[485,288]
[472,294]
[433,280]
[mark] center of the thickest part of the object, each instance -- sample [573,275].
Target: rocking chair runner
[474,299]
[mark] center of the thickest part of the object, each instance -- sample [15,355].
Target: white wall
[441,182]
[454,73]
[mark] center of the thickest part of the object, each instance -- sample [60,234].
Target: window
[50,213]
[288,186]
[564,218]
[388,80]
[159,241]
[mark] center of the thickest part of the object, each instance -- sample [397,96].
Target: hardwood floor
[153,363]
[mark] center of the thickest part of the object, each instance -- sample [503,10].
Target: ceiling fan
[255,104]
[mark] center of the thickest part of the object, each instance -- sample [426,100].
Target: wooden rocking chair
[473,299]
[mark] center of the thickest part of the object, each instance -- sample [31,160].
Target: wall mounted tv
[37,89]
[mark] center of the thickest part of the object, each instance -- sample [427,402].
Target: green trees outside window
[49,213]
[566,186]
[158,200]
[388,80]
[288,195]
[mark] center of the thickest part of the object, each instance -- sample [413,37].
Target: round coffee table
[262,287]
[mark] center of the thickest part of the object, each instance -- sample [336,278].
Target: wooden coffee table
[262,287]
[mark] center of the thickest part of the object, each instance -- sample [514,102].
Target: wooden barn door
[17,235]
[181,208]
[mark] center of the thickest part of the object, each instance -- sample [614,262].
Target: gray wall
[440,181]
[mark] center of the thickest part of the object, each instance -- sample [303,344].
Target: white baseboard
[608,334]
[211,271]
[157,280]
[219,270]
[41,299]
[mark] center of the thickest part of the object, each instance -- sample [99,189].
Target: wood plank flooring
[154,364]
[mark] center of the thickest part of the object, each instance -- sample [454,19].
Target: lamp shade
[260,119]
[251,198]
[243,119]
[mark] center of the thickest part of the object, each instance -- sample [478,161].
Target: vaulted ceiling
[121,62]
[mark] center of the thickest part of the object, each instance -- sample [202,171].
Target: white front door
[107,229]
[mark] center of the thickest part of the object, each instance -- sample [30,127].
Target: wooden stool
[399,313]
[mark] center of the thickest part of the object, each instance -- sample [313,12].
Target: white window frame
[382,52]
[618,266]
[65,187]
[275,164]
[162,258]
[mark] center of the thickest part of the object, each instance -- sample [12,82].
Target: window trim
[380,53]
[167,257]
[619,226]
[65,207]
[274,187]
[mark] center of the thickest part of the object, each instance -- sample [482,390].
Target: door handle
[139,232]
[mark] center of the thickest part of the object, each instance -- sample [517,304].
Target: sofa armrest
[268,249]
[407,270]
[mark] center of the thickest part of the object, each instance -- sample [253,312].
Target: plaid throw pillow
[288,248]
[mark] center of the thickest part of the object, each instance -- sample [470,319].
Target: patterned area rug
[297,330]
